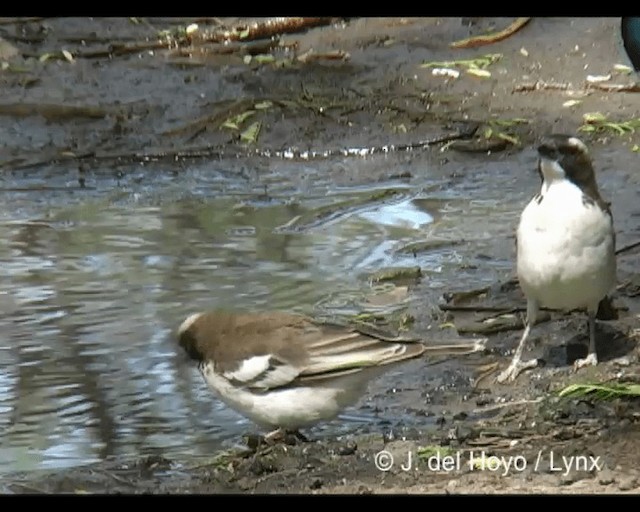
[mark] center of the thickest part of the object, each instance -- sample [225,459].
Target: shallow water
[95,280]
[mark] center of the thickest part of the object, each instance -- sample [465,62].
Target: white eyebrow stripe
[575,142]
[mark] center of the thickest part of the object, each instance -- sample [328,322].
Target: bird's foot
[514,369]
[590,360]
[285,436]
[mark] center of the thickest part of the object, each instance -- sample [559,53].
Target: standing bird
[630,32]
[565,243]
[285,371]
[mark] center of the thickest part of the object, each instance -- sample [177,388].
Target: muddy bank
[70,118]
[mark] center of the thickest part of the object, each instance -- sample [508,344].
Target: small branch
[614,87]
[473,42]
[538,85]
[589,86]
[265,29]
[52,111]
[627,248]
[496,407]
[480,309]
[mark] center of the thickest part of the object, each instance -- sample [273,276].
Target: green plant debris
[622,68]
[250,135]
[425,452]
[500,128]
[179,32]
[601,391]
[481,73]
[263,105]
[478,63]
[405,321]
[234,122]
[422,246]
[596,122]
[369,318]
[261,58]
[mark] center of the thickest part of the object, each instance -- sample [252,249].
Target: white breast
[566,253]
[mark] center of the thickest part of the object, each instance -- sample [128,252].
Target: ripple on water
[89,366]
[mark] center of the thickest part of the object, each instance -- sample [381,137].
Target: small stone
[626,484]
[316,484]
[568,479]
[605,477]
[348,449]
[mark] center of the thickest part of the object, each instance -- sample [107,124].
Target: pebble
[626,484]
[316,484]
[606,477]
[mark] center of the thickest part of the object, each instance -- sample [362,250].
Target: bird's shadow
[611,343]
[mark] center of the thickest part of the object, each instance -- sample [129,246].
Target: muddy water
[96,278]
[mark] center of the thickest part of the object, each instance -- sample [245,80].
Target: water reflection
[92,290]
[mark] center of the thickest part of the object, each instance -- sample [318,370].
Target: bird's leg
[287,436]
[517,365]
[592,357]
[275,436]
[299,436]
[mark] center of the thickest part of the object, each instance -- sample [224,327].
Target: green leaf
[601,391]
[263,58]
[250,135]
[233,123]
[263,105]
[509,138]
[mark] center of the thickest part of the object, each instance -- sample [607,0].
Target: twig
[496,407]
[52,111]
[265,29]
[479,309]
[118,49]
[627,248]
[473,42]
[614,87]
[540,84]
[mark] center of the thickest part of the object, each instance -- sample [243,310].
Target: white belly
[567,260]
[291,408]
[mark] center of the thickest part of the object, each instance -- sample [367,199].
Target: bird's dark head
[565,156]
[188,337]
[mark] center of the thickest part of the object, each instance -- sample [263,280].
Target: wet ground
[136,190]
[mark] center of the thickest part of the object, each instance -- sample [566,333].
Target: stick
[473,42]
[627,248]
